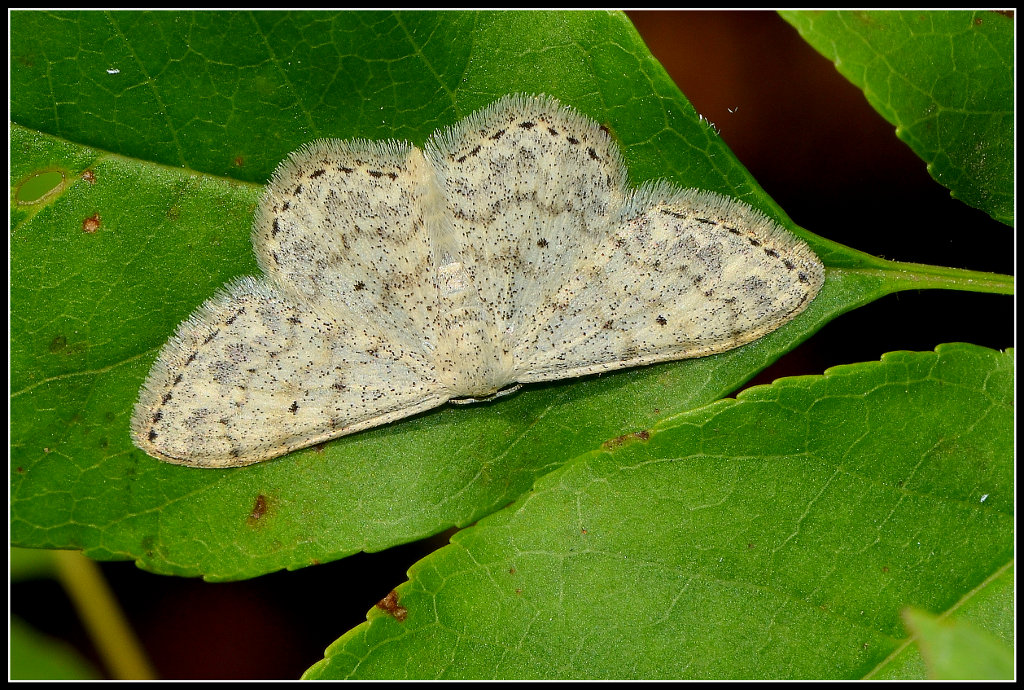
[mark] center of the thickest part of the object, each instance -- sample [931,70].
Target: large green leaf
[161,124]
[944,79]
[813,510]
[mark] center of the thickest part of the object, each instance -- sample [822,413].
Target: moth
[510,250]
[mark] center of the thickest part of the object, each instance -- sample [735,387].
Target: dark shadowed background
[816,146]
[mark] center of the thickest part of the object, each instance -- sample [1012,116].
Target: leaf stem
[897,276]
[102,616]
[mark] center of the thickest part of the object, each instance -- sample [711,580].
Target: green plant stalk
[102,616]
[899,276]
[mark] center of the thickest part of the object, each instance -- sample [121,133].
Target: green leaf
[153,217]
[944,79]
[34,656]
[178,234]
[959,651]
[988,607]
[833,502]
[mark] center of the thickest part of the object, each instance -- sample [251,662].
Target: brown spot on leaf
[621,440]
[239,161]
[390,606]
[89,176]
[91,224]
[58,343]
[259,509]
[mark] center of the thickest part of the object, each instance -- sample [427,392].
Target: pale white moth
[509,250]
